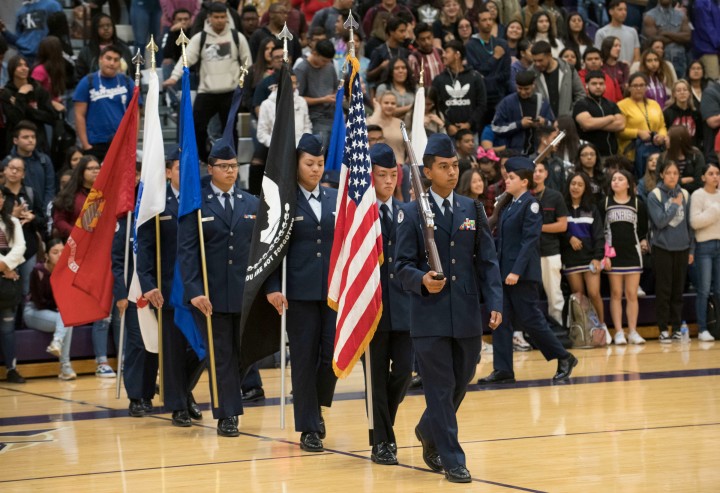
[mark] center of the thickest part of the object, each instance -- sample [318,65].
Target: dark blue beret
[517,163]
[312,144]
[223,150]
[382,155]
[174,155]
[440,145]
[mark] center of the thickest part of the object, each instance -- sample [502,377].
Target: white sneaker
[665,337]
[486,348]
[104,371]
[635,338]
[67,374]
[641,293]
[705,336]
[608,337]
[519,342]
[54,348]
[620,339]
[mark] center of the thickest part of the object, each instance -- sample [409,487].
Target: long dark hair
[6,217]
[260,65]
[532,28]
[586,201]
[388,75]
[566,123]
[65,199]
[606,47]
[679,142]
[94,27]
[466,181]
[12,65]
[630,179]
[597,167]
[582,35]
[50,55]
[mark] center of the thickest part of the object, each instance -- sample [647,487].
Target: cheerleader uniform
[625,226]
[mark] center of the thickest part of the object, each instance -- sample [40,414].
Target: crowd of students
[635,171]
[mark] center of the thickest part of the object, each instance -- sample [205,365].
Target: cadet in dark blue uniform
[445,316]
[139,366]
[390,348]
[310,321]
[519,254]
[181,367]
[228,219]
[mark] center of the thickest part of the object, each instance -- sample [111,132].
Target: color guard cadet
[310,321]
[181,367]
[391,347]
[139,366]
[518,246]
[445,317]
[228,219]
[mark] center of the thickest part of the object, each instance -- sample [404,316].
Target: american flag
[354,281]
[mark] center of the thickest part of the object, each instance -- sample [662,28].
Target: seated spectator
[705,221]
[465,31]
[519,115]
[41,312]
[540,30]
[445,29]
[70,200]
[472,184]
[658,81]
[598,119]
[398,80]
[102,34]
[688,159]
[588,162]
[673,247]
[644,122]
[384,116]
[12,249]
[681,110]
[625,232]
[649,181]
[23,99]
[39,171]
[30,26]
[577,37]
[617,69]
[593,62]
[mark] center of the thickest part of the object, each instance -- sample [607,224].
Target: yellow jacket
[635,120]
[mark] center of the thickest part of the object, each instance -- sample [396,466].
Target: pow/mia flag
[260,323]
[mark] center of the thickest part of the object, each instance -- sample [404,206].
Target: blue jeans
[99,339]
[145,20]
[707,260]
[7,336]
[677,56]
[25,269]
[51,322]
[600,10]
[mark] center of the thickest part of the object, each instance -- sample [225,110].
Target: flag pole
[138,61]
[152,48]
[283,349]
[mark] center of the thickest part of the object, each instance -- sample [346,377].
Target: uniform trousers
[311,335]
[225,327]
[391,356]
[181,367]
[521,311]
[139,366]
[446,366]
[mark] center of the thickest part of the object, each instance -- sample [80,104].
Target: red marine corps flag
[354,281]
[82,281]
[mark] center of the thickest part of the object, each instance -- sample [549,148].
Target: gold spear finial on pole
[183,41]
[243,73]
[138,61]
[152,48]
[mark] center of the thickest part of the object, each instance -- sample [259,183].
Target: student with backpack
[673,247]
[625,232]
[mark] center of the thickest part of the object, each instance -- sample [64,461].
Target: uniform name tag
[468,225]
[165,218]
[208,219]
[299,218]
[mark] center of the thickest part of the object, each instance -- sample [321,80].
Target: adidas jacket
[461,98]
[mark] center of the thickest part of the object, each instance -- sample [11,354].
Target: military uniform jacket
[396,301]
[117,254]
[470,267]
[519,238]
[308,258]
[146,255]
[227,247]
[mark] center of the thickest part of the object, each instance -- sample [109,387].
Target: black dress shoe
[226,427]
[181,419]
[147,405]
[392,447]
[458,474]
[322,431]
[430,455]
[381,454]
[136,409]
[498,377]
[311,442]
[252,395]
[13,376]
[416,382]
[565,367]
[193,408]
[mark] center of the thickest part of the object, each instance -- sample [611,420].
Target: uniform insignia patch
[535,207]
[401,216]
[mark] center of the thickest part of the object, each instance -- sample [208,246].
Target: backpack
[583,323]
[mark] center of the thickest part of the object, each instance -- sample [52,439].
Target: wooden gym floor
[634,419]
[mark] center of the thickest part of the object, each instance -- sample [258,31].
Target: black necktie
[228,207]
[386,220]
[448,212]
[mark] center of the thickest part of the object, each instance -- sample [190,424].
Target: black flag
[260,323]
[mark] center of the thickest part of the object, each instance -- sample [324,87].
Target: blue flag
[336,148]
[190,202]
